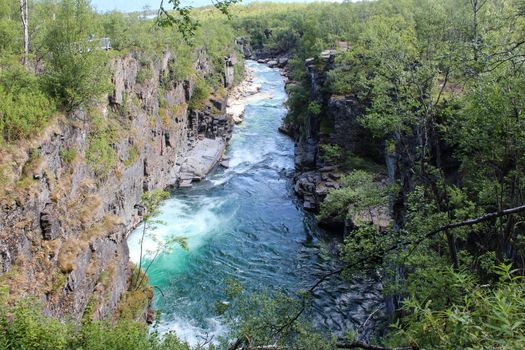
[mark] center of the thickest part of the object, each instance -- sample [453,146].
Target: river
[245,223]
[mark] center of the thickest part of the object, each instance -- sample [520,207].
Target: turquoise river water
[245,223]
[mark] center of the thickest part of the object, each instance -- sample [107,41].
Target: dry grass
[166,117]
[68,254]
[89,209]
[107,225]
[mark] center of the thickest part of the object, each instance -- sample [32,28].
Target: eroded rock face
[314,179]
[64,238]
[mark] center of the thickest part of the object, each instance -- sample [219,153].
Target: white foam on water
[194,335]
[195,222]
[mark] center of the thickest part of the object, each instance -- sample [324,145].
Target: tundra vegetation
[443,88]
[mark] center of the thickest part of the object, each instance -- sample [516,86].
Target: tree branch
[477,220]
[366,346]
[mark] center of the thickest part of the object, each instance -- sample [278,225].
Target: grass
[68,154]
[133,155]
[201,93]
[68,254]
[89,208]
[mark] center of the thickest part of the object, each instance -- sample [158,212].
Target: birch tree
[24,18]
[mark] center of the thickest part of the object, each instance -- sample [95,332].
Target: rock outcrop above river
[64,227]
[339,115]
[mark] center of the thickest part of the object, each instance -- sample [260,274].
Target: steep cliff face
[335,123]
[307,141]
[77,187]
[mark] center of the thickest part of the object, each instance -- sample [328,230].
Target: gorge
[271,176]
[244,223]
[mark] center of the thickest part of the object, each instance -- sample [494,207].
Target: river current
[245,223]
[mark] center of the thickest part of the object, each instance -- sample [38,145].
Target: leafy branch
[181,17]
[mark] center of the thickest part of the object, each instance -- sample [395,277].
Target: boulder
[282,61]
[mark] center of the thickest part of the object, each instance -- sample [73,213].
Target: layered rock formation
[64,225]
[337,123]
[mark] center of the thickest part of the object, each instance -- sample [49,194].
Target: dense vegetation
[67,70]
[442,85]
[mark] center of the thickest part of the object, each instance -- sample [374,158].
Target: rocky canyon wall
[76,189]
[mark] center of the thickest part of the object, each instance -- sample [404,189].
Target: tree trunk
[24,18]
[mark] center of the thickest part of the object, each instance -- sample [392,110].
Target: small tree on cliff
[151,202]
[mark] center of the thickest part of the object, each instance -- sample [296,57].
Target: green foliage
[483,318]
[314,108]
[133,155]
[145,73]
[68,155]
[76,71]
[100,154]
[24,107]
[266,318]
[28,328]
[181,17]
[201,92]
[331,154]
[24,326]
[359,192]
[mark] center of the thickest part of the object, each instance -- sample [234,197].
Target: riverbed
[245,223]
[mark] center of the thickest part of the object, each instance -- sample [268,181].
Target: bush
[24,326]
[24,107]
[331,154]
[358,192]
[68,155]
[100,153]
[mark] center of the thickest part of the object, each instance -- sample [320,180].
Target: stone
[185,184]
[49,224]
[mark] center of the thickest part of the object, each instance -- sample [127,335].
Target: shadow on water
[245,222]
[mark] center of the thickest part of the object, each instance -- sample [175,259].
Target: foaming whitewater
[244,223]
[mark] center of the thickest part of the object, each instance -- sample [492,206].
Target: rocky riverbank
[240,95]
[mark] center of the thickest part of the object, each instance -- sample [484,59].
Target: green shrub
[201,92]
[24,107]
[145,73]
[68,155]
[358,192]
[25,327]
[100,153]
[331,154]
[133,155]
[314,108]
